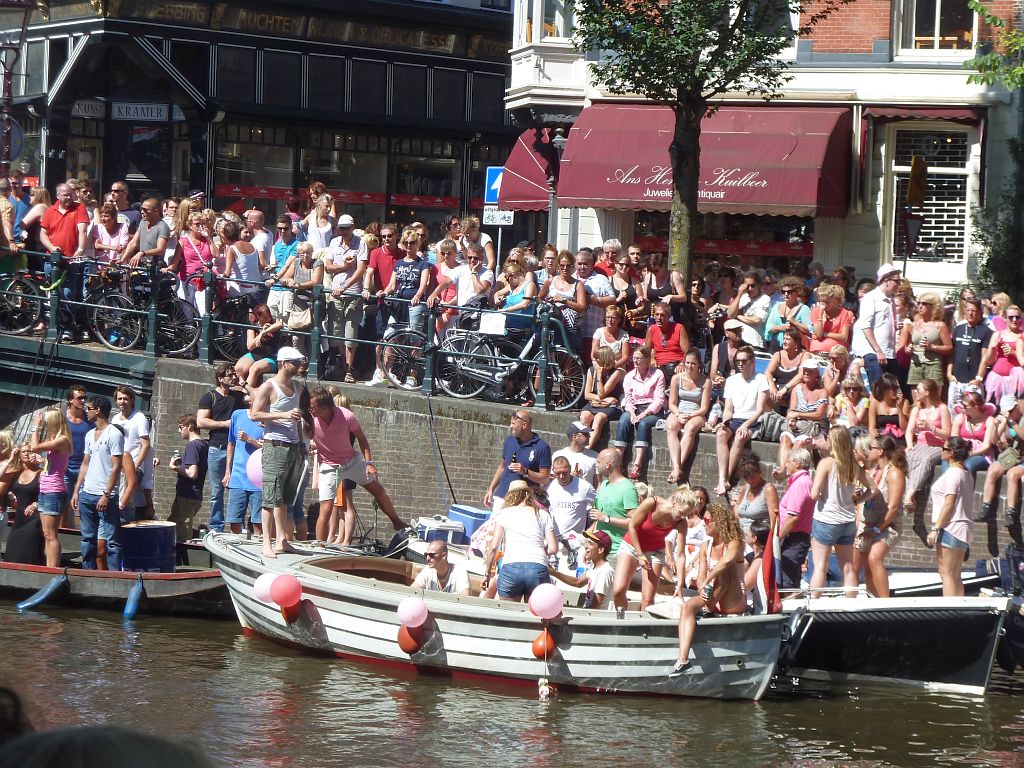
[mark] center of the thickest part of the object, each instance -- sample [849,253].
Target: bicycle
[177,321]
[21,303]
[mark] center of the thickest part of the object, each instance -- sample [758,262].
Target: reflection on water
[251,703]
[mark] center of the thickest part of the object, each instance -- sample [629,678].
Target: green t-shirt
[616,500]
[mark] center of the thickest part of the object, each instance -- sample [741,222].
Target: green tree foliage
[999,231]
[1002,63]
[684,54]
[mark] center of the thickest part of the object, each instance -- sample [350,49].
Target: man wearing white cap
[344,266]
[582,462]
[1009,433]
[874,332]
[281,404]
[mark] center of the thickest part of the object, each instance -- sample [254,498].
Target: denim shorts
[517,580]
[833,534]
[240,500]
[51,504]
[655,557]
[949,541]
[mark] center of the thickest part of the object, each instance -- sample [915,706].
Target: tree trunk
[684,154]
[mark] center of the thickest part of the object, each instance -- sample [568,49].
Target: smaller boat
[939,643]
[349,608]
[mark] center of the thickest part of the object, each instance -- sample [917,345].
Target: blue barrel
[148,545]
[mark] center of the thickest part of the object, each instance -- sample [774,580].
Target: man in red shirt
[376,279]
[333,430]
[609,255]
[63,228]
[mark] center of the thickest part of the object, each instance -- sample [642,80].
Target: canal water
[252,704]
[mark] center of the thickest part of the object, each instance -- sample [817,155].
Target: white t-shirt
[570,504]
[461,276]
[599,582]
[743,394]
[458,580]
[759,307]
[263,243]
[136,427]
[876,313]
[585,460]
[101,451]
[525,534]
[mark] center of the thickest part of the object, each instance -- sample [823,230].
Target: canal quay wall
[433,451]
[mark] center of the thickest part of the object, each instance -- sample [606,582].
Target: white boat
[349,609]
[937,643]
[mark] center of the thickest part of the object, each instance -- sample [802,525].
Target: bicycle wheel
[472,350]
[113,324]
[402,358]
[21,306]
[227,340]
[565,382]
[178,327]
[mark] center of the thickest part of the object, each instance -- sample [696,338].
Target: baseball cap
[345,221]
[884,271]
[1007,403]
[599,537]
[195,194]
[732,324]
[524,244]
[289,354]
[810,365]
[576,428]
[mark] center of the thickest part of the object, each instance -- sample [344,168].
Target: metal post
[52,330]
[314,332]
[5,117]
[542,359]
[205,347]
[429,350]
[552,211]
[154,294]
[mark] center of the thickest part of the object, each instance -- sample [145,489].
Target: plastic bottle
[716,414]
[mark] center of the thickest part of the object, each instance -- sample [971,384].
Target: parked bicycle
[467,362]
[21,302]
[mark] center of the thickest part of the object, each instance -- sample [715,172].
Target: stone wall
[422,445]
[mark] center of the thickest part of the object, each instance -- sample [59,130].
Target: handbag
[769,427]
[1009,457]
[300,319]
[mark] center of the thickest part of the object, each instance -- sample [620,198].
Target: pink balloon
[262,587]
[546,601]
[254,467]
[285,590]
[412,611]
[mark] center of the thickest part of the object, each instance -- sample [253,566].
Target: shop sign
[364,198]
[657,181]
[262,22]
[91,110]
[380,35]
[156,113]
[160,10]
[425,201]
[493,217]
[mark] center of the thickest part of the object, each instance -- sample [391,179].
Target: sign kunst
[716,185]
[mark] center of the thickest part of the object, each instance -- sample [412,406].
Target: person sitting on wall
[746,398]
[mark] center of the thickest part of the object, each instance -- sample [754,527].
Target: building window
[488,99]
[558,17]
[282,79]
[496,5]
[371,79]
[35,67]
[325,85]
[937,25]
[193,61]
[236,74]
[945,232]
[409,91]
[449,95]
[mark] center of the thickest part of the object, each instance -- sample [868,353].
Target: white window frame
[901,22]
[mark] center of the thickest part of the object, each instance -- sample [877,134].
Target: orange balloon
[410,639]
[544,644]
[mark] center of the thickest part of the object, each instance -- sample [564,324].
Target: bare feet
[268,552]
[284,546]
[673,476]
[721,489]
[778,473]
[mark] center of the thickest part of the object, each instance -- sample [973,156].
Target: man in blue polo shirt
[524,456]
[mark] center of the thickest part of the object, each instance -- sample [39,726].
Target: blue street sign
[492,184]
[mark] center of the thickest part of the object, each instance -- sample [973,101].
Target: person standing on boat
[214,414]
[95,495]
[50,437]
[952,507]
[333,430]
[439,575]
[582,460]
[879,526]
[525,455]
[719,579]
[643,545]
[282,405]
[796,513]
[598,577]
[569,499]
[79,426]
[245,437]
[190,470]
[525,535]
[135,426]
[616,498]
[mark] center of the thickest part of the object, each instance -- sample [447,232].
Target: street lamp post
[558,141]
[14,16]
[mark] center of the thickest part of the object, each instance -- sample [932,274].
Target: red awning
[950,114]
[524,183]
[789,161]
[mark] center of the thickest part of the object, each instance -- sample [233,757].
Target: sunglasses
[786,291]
[1013,317]
[432,555]
[742,360]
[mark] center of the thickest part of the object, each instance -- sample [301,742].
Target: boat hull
[346,612]
[943,644]
[191,592]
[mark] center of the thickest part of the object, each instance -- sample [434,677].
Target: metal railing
[25,293]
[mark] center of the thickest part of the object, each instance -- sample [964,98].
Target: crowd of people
[90,462]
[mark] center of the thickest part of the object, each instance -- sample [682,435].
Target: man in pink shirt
[796,513]
[333,431]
